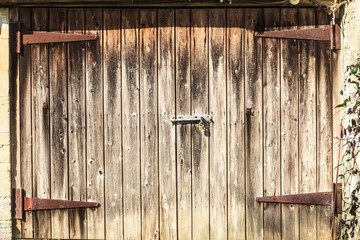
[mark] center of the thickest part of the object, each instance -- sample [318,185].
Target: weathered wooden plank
[236,121]
[183,132]
[289,126]
[167,3]
[131,131]
[199,105]
[41,124]
[307,125]
[25,96]
[58,123]
[167,138]
[77,124]
[14,91]
[337,83]
[253,125]
[112,123]
[149,124]
[94,123]
[324,130]
[218,134]
[272,149]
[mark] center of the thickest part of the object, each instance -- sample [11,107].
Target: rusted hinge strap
[35,204]
[332,199]
[40,37]
[330,33]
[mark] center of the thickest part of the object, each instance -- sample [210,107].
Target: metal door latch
[203,121]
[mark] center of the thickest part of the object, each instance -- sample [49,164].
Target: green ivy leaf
[341,105]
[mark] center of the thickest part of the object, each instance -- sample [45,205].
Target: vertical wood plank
[130,119]
[149,124]
[14,92]
[337,83]
[307,125]
[200,142]
[26,140]
[41,124]
[253,124]
[94,124]
[289,125]
[324,129]
[112,123]
[58,123]
[272,149]
[218,135]
[167,138]
[183,133]
[77,124]
[236,122]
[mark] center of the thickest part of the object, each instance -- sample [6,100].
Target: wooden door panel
[95,121]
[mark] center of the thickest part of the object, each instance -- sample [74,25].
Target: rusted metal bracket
[22,37]
[330,33]
[332,199]
[34,204]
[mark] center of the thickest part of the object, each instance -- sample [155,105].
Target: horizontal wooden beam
[165,3]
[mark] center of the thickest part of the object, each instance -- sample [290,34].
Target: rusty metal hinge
[332,199]
[330,33]
[22,37]
[34,204]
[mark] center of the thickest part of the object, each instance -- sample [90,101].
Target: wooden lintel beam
[165,3]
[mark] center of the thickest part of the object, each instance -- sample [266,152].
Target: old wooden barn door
[95,124]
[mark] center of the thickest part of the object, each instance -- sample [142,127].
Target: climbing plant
[350,137]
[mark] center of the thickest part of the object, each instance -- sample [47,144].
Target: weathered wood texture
[307,124]
[148,125]
[289,125]
[14,91]
[58,123]
[218,134]
[112,123]
[95,124]
[272,108]
[41,124]
[76,127]
[167,134]
[236,123]
[165,3]
[199,88]
[183,132]
[253,124]
[26,131]
[131,124]
[324,136]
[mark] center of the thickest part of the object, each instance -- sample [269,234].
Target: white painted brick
[5,180]
[5,230]
[4,114]
[5,208]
